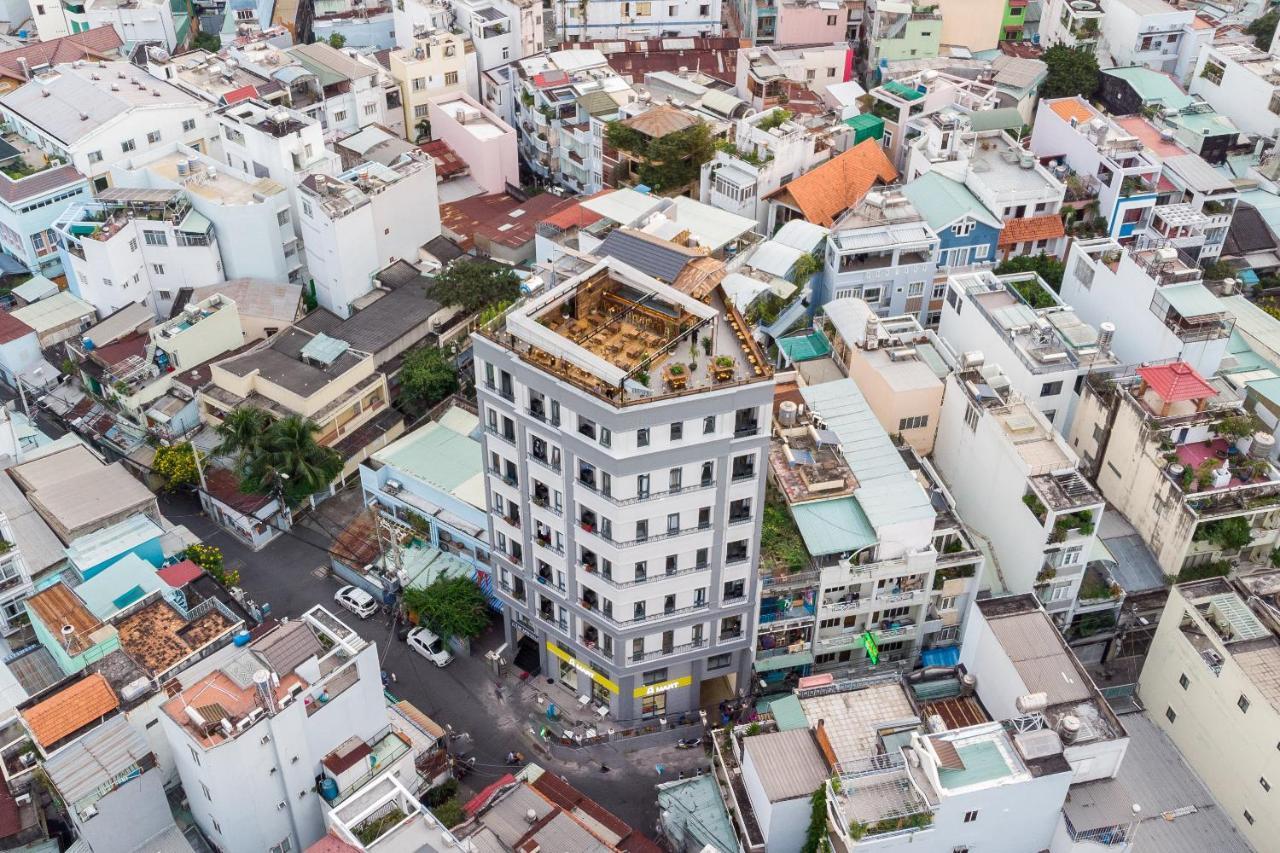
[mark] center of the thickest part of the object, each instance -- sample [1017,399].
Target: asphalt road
[463,694]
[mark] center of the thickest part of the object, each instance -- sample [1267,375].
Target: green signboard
[869,643]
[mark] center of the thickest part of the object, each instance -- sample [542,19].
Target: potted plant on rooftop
[722,368]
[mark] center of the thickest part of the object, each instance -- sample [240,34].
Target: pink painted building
[817,21]
[485,142]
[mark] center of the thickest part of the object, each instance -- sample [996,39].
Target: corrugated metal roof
[1192,300]
[1197,173]
[800,234]
[888,493]
[774,258]
[54,311]
[833,526]
[288,646]
[790,764]
[95,759]
[942,201]
[40,547]
[1001,118]
[1036,651]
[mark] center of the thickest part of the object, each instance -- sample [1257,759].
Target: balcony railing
[667,651]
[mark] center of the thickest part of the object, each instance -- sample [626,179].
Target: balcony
[668,651]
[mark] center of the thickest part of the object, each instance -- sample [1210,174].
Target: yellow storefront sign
[661,687]
[581,667]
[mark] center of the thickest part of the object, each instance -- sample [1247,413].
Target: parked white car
[429,646]
[357,601]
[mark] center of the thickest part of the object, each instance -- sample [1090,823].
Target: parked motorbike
[688,743]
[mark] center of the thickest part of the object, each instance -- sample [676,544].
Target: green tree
[475,285]
[427,376]
[816,840]
[1263,29]
[288,458]
[1229,534]
[337,40]
[240,433]
[667,163]
[1072,71]
[1048,268]
[423,129]
[207,41]
[804,269]
[450,607]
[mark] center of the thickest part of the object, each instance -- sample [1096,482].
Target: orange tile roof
[838,184]
[1069,108]
[70,710]
[1032,228]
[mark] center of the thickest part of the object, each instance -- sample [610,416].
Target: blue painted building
[968,232]
[95,552]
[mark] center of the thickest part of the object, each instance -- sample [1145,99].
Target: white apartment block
[95,114]
[352,96]
[15,575]
[883,252]
[253,727]
[145,21]
[1153,297]
[1016,484]
[1074,23]
[562,139]
[762,73]
[625,493]
[637,19]
[1103,158]
[1155,34]
[364,220]
[501,30]
[137,245]
[1198,214]
[1209,686]
[762,160]
[251,215]
[1240,82]
[277,143]
[926,116]
[1019,323]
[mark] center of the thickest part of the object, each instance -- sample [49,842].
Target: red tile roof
[448,163]
[715,57]
[10,815]
[571,799]
[824,193]
[71,709]
[225,487]
[477,802]
[1032,228]
[485,215]
[99,42]
[11,328]
[38,184]
[180,574]
[244,93]
[1176,382]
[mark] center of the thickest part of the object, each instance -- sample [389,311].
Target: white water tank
[787,413]
[1032,703]
[1069,729]
[1263,444]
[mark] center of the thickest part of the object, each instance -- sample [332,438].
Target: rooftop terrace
[214,182]
[158,636]
[626,337]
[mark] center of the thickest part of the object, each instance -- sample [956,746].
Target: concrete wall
[493,161]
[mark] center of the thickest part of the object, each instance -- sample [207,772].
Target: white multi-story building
[352,95]
[1198,213]
[254,727]
[1240,82]
[883,252]
[1154,298]
[501,30]
[562,101]
[251,215]
[137,245]
[28,207]
[1155,34]
[1019,323]
[1207,683]
[93,115]
[767,153]
[137,21]
[364,220]
[626,491]
[1016,484]
[765,74]
[1102,158]
[926,115]
[277,143]
[1074,23]
[637,19]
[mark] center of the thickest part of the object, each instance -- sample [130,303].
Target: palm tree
[241,432]
[289,460]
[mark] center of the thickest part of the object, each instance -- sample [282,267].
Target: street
[464,694]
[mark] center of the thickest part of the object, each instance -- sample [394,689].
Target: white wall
[1242,96]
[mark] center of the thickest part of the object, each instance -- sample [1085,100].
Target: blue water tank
[329,789]
[241,639]
[88,344]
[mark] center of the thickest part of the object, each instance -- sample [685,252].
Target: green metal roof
[834,526]
[598,103]
[942,201]
[788,713]
[1002,118]
[1152,86]
[903,91]
[436,454]
[195,223]
[982,763]
[324,349]
[866,126]
[805,347]
[1192,300]
[804,658]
